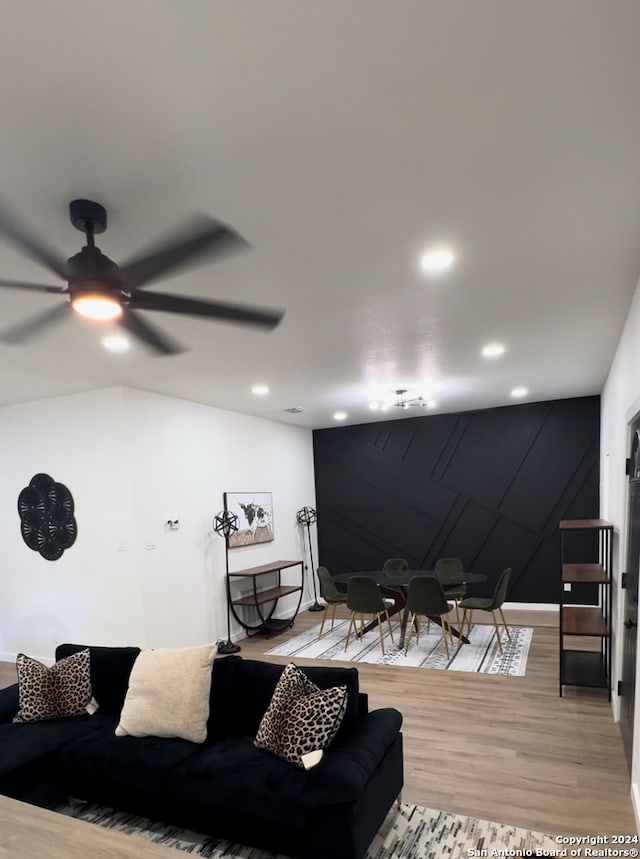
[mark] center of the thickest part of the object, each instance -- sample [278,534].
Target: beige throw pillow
[168,694]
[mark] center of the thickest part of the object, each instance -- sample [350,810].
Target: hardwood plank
[27,832]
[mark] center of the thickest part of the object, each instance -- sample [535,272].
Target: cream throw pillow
[168,694]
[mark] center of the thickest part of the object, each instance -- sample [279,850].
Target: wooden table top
[30,832]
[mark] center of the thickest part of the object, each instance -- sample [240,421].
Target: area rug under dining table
[481,655]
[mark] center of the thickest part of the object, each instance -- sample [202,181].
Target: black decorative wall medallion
[47,523]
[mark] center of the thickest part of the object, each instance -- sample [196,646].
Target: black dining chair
[364,597]
[426,597]
[330,594]
[491,604]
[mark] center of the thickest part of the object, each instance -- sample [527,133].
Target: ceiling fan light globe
[96,305]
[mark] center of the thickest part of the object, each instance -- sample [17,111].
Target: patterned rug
[409,833]
[480,655]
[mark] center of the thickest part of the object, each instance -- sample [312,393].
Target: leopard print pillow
[301,718]
[53,693]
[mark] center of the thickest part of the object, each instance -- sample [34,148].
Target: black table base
[394,586]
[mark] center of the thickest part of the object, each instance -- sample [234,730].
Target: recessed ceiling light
[493,350]
[115,343]
[374,404]
[260,390]
[431,404]
[519,392]
[436,260]
[339,416]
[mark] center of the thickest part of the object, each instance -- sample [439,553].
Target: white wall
[620,404]
[132,460]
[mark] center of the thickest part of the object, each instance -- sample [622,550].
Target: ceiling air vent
[296,410]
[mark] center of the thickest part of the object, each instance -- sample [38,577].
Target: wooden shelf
[590,570]
[267,595]
[583,620]
[263,569]
[595,573]
[585,525]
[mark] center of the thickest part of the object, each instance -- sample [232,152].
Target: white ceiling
[341,138]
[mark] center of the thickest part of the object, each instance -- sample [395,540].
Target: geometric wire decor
[225,524]
[47,523]
[307,516]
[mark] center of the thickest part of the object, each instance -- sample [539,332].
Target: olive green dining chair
[426,598]
[364,597]
[395,566]
[452,567]
[330,594]
[491,604]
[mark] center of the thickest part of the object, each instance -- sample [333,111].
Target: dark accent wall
[488,487]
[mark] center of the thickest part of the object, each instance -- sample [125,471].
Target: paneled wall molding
[486,486]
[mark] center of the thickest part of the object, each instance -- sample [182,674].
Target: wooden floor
[506,749]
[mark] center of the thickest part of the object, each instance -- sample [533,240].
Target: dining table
[394,583]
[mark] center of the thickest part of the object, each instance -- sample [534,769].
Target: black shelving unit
[581,666]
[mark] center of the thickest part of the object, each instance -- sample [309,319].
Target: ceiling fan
[400,400]
[99,289]
[404,402]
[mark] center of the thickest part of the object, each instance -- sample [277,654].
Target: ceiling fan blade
[32,287]
[169,303]
[200,237]
[21,236]
[151,336]
[34,324]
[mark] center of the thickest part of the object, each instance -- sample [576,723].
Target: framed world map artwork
[255,517]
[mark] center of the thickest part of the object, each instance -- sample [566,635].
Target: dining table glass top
[395,578]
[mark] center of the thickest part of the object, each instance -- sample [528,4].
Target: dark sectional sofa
[225,787]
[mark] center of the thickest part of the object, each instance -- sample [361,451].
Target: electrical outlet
[567,586]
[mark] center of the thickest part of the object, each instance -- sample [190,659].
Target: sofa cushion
[242,689]
[30,750]
[110,668]
[301,718]
[62,690]
[168,694]
[9,702]
[140,763]
[233,774]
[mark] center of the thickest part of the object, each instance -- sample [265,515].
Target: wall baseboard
[533,606]
[635,802]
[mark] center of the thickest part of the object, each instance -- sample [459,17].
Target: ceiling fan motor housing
[91,270]
[86,215]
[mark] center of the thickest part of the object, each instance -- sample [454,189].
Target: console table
[264,600]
